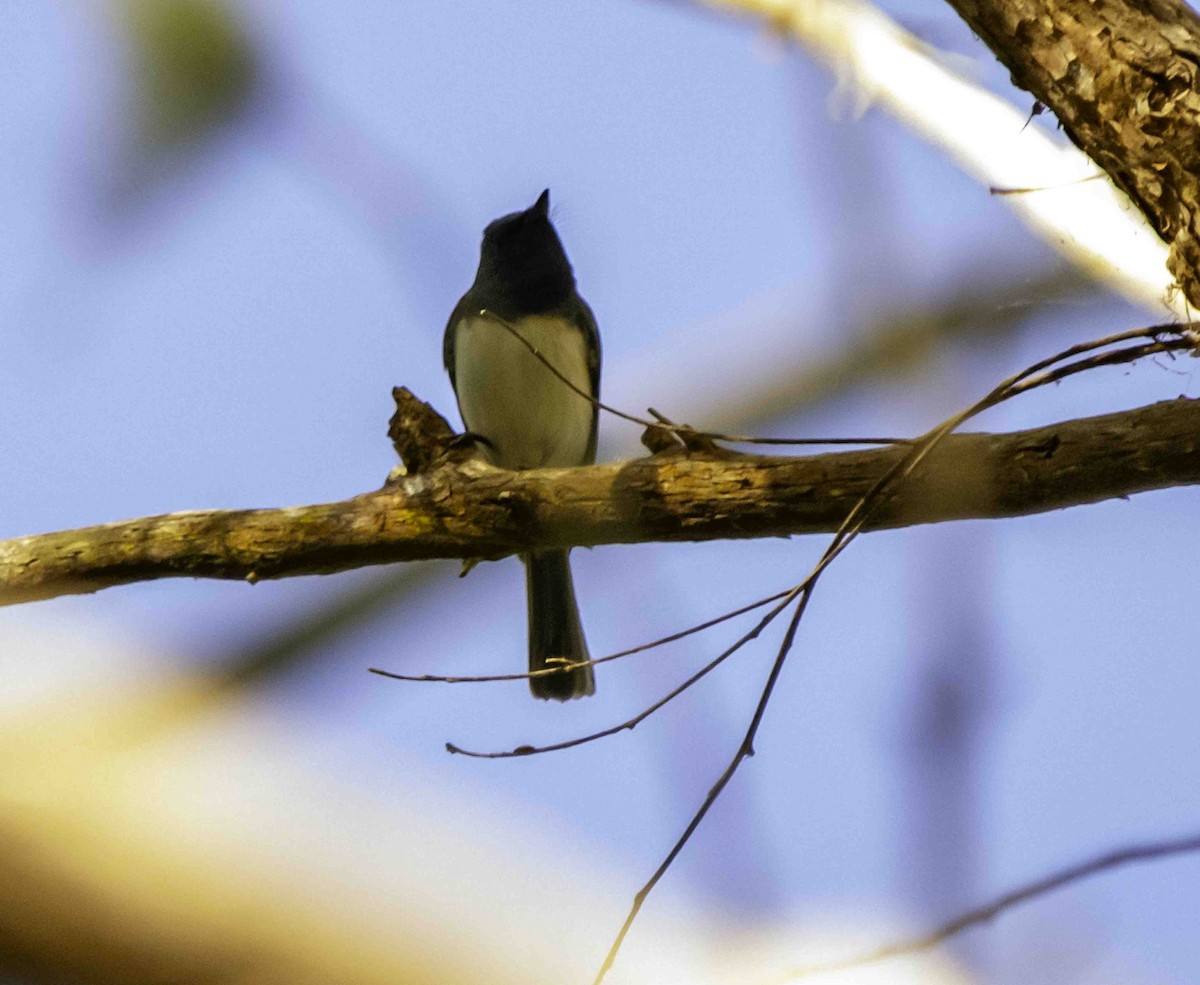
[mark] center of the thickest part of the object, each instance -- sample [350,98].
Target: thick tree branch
[467,509]
[1123,77]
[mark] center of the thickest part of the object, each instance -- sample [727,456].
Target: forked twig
[545,672]
[1163,338]
[646,712]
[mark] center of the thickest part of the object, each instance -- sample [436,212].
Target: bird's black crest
[522,262]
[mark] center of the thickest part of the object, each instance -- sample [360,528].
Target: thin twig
[646,712]
[745,749]
[989,911]
[661,641]
[677,428]
[998,190]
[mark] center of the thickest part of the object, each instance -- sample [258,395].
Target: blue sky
[230,336]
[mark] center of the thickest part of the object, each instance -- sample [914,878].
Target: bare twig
[1001,904]
[744,750]
[661,641]
[681,429]
[1029,190]
[629,724]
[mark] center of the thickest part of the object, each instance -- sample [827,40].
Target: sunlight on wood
[1088,221]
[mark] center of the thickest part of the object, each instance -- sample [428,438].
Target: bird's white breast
[531,418]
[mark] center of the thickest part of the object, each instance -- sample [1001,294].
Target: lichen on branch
[447,503]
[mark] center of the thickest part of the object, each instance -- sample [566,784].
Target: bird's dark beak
[542,205]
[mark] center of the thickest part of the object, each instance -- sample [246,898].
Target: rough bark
[467,509]
[1122,78]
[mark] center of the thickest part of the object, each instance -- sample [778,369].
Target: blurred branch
[133,855]
[1088,222]
[311,633]
[1024,894]
[901,339]
[468,509]
[194,63]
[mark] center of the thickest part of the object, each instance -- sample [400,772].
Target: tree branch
[468,509]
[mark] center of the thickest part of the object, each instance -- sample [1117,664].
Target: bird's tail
[555,633]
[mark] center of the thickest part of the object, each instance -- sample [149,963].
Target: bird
[523,416]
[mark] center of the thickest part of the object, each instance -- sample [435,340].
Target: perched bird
[524,416]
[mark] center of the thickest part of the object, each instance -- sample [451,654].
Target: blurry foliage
[194,66]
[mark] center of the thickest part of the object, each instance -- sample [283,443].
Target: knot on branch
[660,440]
[669,438]
[421,436]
